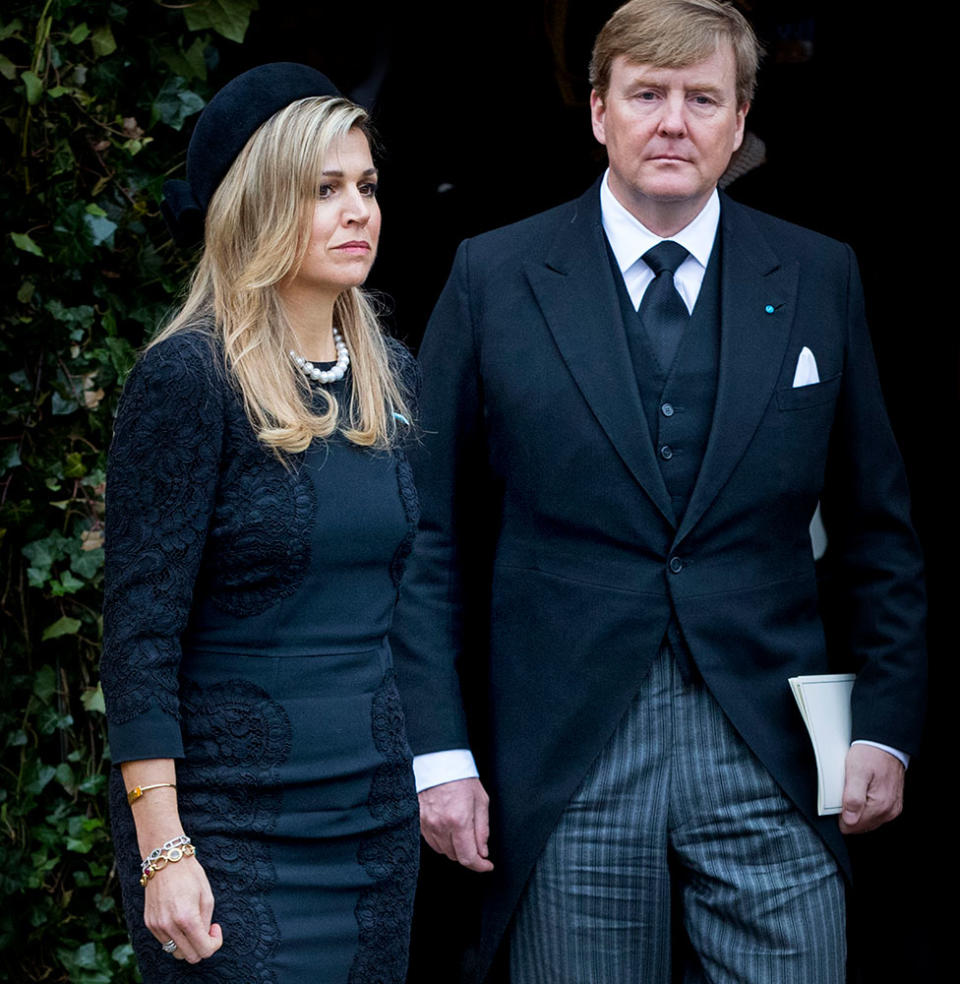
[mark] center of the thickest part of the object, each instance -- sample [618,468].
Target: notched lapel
[758,300]
[577,297]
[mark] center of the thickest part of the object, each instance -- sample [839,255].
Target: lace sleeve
[161,486]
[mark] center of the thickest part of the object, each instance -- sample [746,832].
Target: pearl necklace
[336,372]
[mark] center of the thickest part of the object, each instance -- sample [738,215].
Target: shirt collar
[629,238]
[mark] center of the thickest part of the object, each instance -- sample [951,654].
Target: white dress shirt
[629,239]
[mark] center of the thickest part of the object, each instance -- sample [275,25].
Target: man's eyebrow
[658,82]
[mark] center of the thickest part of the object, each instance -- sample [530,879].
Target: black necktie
[662,310]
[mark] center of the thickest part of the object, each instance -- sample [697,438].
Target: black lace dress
[245,619]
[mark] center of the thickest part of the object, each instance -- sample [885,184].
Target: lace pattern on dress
[195,506]
[390,857]
[236,737]
[259,549]
[164,461]
[411,508]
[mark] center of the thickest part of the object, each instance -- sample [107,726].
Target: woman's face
[345,227]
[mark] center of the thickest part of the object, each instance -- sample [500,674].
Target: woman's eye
[324,191]
[369,190]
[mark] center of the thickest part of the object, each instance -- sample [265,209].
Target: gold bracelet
[173,851]
[134,794]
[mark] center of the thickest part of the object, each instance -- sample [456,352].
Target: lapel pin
[769,309]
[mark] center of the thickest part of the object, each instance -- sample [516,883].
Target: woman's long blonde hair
[256,234]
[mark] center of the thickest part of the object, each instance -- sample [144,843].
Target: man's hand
[872,789]
[455,821]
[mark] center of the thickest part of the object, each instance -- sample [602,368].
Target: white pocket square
[806,374]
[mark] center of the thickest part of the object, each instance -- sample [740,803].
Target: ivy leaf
[88,964]
[75,467]
[79,34]
[92,700]
[189,64]
[81,315]
[7,69]
[231,18]
[43,554]
[93,784]
[123,954]
[33,85]
[10,457]
[101,230]
[49,719]
[64,775]
[175,103]
[45,683]
[103,41]
[42,774]
[73,236]
[66,584]
[15,25]
[62,626]
[23,241]
[85,563]
[61,405]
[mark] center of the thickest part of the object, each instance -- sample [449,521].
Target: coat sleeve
[872,584]
[161,487]
[439,614]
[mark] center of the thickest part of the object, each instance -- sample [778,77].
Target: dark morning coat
[548,560]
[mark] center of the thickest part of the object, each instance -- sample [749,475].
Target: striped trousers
[677,803]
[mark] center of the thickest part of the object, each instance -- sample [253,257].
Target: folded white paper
[824,702]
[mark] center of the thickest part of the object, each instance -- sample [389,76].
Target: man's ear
[741,125]
[597,115]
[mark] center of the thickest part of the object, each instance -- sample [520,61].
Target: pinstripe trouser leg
[763,900]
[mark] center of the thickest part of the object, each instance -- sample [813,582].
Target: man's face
[669,134]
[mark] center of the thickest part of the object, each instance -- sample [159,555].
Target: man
[639,434]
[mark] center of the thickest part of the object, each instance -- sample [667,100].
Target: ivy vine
[93,95]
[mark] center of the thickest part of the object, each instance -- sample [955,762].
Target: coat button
[666,452]
[667,409]
[676,565]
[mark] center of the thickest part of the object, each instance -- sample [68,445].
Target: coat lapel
[577,296]
[753,341]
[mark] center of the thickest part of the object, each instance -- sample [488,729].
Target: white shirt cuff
[435,768]
[900,756]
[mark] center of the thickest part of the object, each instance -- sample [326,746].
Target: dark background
[482,110]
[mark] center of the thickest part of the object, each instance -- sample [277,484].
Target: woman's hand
[178,903]
[179,906]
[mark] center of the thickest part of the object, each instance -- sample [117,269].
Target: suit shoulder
[527,236]
[790,237]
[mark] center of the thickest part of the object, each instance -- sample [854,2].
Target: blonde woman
[259,512]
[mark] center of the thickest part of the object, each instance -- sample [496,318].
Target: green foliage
[92,96]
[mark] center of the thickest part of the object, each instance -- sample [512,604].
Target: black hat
[222,131]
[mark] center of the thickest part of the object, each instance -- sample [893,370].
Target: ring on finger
[168,947]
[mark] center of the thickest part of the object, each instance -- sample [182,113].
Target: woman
[259,512]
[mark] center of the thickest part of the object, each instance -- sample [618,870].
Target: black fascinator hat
[226,124]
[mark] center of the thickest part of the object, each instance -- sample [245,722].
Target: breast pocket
[814,395]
